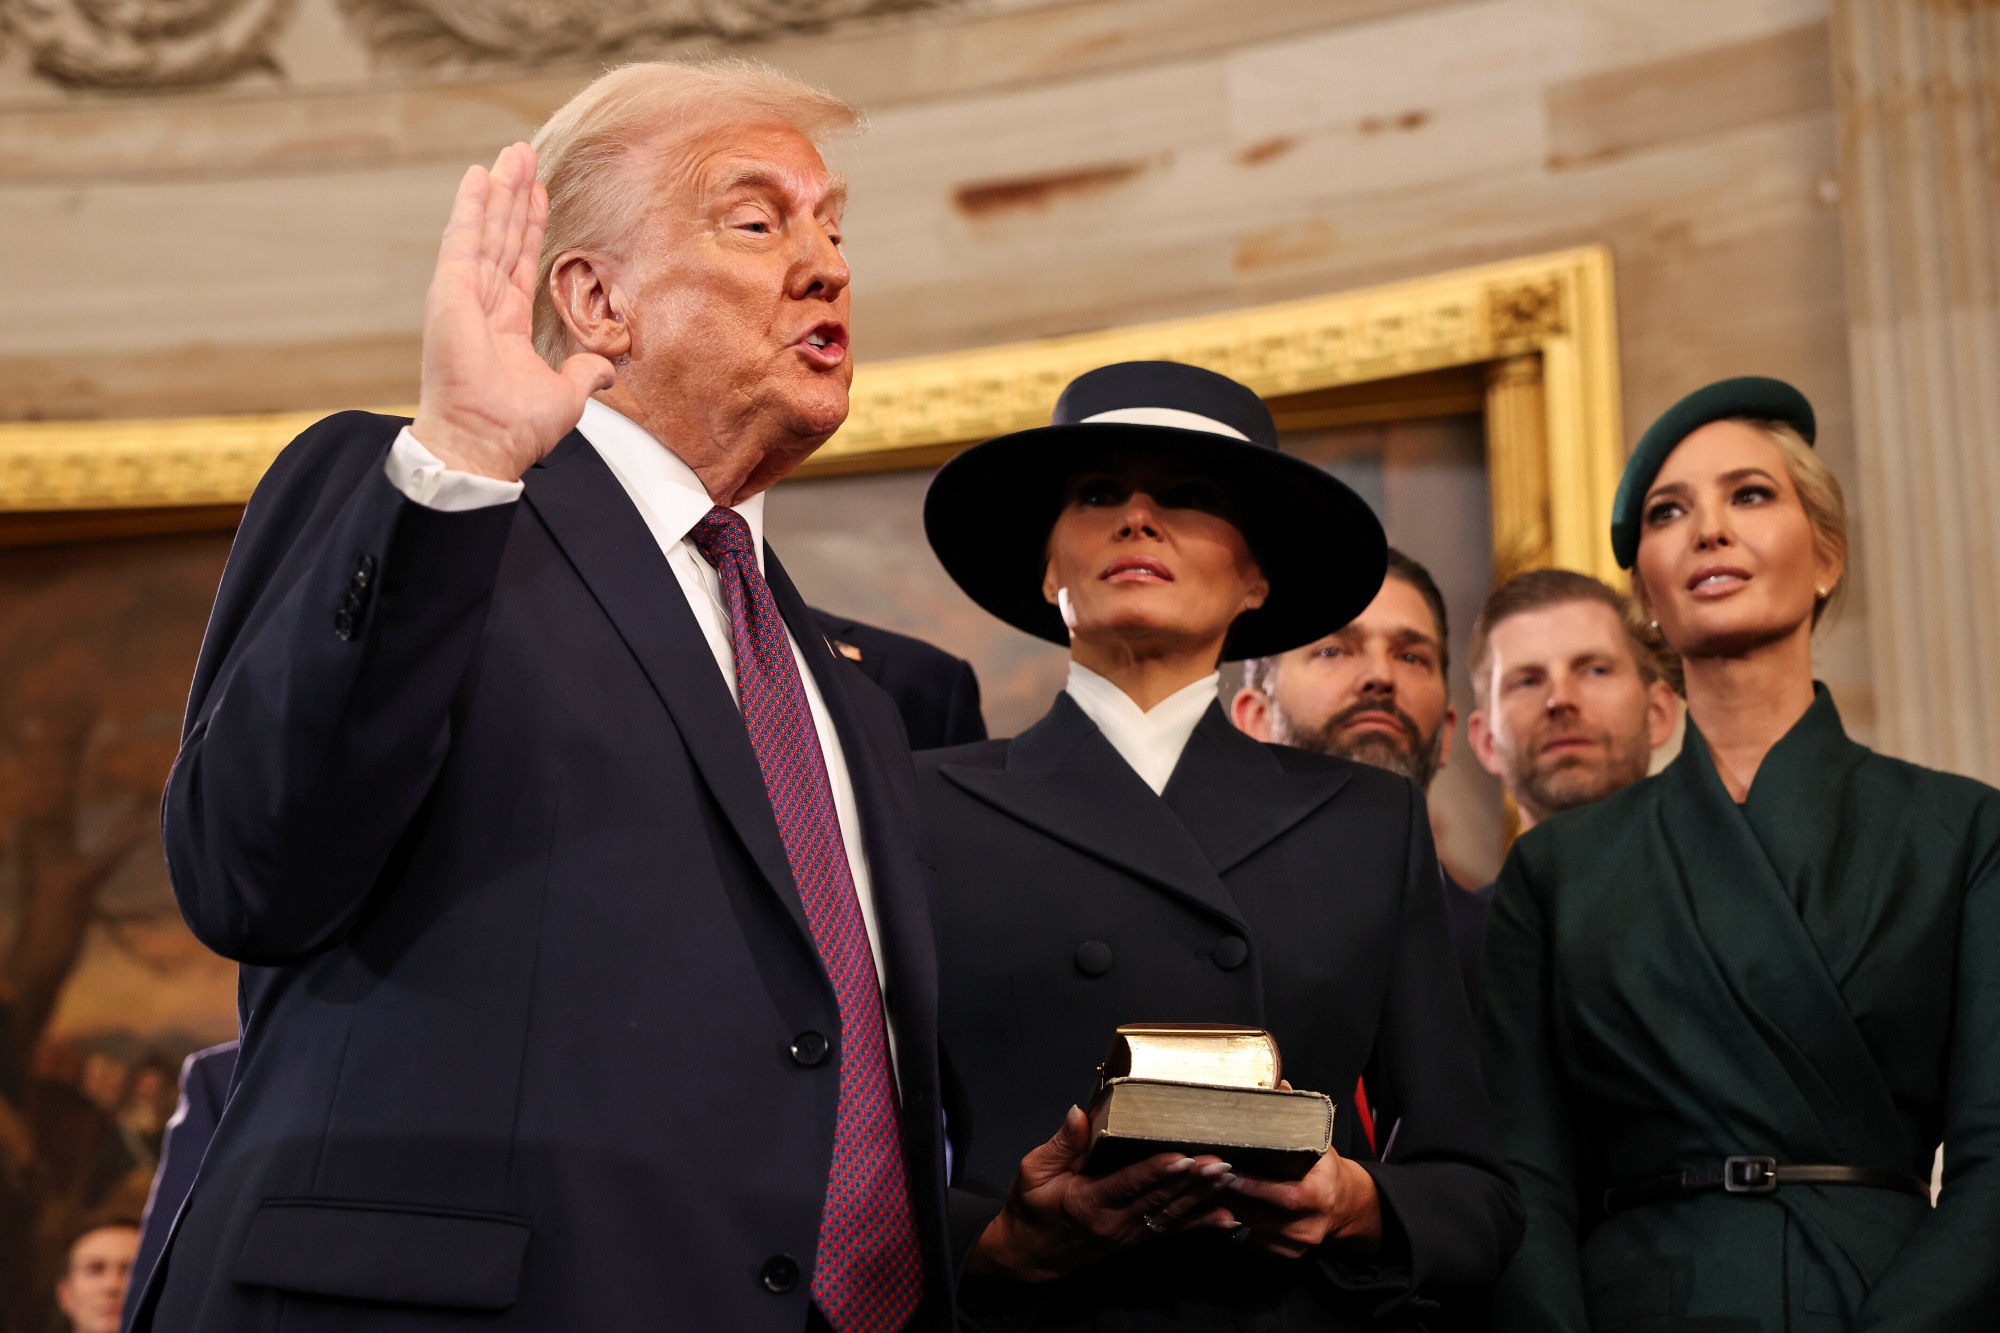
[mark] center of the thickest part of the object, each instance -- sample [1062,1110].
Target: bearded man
[568,865]
[1374,692]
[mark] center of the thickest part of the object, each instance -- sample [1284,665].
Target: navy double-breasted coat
[1267,886]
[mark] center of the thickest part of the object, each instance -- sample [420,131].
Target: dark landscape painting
[102,989]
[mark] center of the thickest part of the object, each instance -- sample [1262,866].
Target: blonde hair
[1819,495]
[593,157]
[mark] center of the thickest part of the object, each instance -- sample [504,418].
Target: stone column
[1918,83]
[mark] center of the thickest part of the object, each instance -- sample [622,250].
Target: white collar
[669,495]
[1150,740]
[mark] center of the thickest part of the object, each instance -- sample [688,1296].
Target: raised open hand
[489,404]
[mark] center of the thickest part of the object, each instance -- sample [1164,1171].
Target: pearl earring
[1656,626]
[1821,592]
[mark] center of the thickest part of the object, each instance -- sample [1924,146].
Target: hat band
[1166,416]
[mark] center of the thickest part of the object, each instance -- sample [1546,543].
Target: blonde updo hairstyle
[1819,495]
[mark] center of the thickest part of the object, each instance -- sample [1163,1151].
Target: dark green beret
[1752,397]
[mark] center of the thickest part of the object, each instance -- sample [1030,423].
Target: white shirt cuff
[423,478]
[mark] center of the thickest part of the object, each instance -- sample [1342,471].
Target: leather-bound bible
[1201,1088]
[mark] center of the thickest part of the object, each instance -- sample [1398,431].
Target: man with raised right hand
[588,978]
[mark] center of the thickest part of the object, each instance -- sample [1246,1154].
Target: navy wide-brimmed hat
[990,510]
[1745,398]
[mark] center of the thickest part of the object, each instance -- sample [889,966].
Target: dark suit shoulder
[324,463]
[873,639]
[979,754]
[1964,806]
[345,440]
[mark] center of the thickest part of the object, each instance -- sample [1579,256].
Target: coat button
[779,1274]
[1230,952]
[1093,958]
[343,625]
[364,571]
[809,1049]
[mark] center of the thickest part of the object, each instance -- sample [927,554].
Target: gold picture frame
[1532,342]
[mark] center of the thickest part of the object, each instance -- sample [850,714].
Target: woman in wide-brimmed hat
[1133,858]
[1731,1010]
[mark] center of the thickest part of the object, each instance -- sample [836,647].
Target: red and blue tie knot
[722,533]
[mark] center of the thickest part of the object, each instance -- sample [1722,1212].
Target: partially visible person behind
[1732,1009]
[1376,691]
[1572,698]
[1571,695]
[91,1291]
[204,1088]
[1373,691]
[936,694]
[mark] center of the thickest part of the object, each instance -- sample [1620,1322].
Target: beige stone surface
[1920,87]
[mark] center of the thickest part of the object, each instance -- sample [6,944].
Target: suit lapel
[594,521]
[1235,797]
[1065,779]
[1753,929]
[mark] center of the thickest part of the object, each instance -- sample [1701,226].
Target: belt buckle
[1750,1175]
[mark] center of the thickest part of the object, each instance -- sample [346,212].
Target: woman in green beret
[1732,1010]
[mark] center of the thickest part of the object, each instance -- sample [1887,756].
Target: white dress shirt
[671,498]
[1151,740]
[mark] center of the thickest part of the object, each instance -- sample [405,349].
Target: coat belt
[1754,1175]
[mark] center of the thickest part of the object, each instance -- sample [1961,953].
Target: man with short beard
[1374,692]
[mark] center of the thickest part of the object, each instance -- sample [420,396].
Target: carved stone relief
[140,44]
[430,32]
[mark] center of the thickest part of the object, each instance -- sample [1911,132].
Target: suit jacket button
[1230,952]
[808,1048]
[1093,958]
[779,1274]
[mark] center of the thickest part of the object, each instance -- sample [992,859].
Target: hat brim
[990,510]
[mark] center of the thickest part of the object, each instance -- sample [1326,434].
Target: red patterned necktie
[869,1274]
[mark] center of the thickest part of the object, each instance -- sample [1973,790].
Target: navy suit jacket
[524,969]
[936,693]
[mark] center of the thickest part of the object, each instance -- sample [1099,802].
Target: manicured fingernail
[1235,1183]
[1176,1167]
[1216,1169]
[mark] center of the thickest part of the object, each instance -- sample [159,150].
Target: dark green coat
[1814,975]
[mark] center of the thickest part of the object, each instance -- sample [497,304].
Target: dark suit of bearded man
[587,970]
